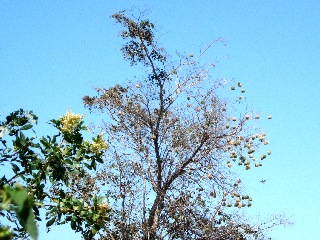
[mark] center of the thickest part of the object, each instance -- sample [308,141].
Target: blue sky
[54,52]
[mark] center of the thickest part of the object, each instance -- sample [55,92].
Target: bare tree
[173,139]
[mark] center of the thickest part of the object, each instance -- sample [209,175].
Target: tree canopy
[165,166]
[48,173]
[174,137]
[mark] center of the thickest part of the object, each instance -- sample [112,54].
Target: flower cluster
[104,209]
[98,144]
[70,121]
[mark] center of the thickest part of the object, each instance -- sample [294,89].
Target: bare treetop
[173,139]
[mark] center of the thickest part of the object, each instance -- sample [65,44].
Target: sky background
[52,53]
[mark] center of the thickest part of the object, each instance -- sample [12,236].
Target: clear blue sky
[53,52]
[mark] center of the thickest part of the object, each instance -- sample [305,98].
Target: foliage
[166,170]
[17,199]
[174,137]
[45,174]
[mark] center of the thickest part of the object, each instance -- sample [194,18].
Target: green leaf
[44,142]
[22,139]
[54,139]
[94,165]
[73,225]
[24,202]
[19,195]
[76,208]
[83,213]
[5,207]
[88,166]
[50,222]
[95,199]
[26,127]
[6,233]
[15,168]
[98,159]
[94,230]
[95,217]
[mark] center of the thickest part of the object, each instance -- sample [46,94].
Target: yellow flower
[103,208]
[99,144]
[69,121]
